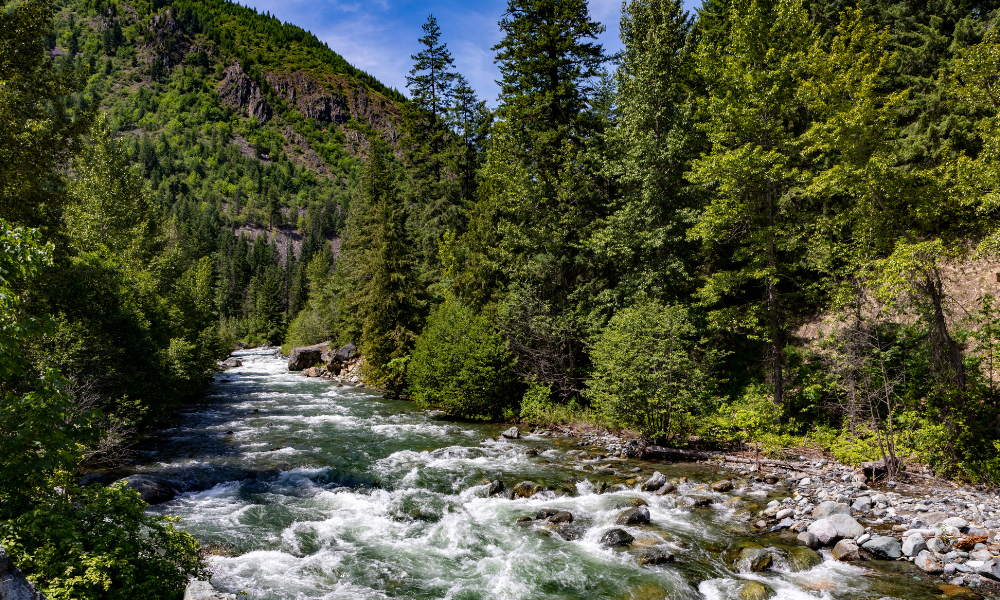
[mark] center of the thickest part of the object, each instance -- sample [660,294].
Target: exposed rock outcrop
[13,585]
[239,91]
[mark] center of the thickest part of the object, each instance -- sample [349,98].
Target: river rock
[956,522]
[827,509]
[633,516]
[936,544]
[345,353]
[232,362]
[203,590]
[825,531]
[722,486]
[311,372]
[808,540]
[497,487]
[656,556]
[846,526]
[802,559]
[933,518]
[655,482]
[616,537]
[913,545]
[926,561]
[784,513]
[511,434]
[846,550]
[92,478]
[751,560]
[151,490]
[695,501]
[303,357]
[862,504]
[755,590]
[884,547]
[666,489]
[563,516]
[13,585]
[526,489]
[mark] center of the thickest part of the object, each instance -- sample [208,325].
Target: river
[307,489]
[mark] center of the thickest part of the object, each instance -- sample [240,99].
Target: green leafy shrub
[649,363]
[95,543]
[461,364]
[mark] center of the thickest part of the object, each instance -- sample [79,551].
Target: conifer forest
[762,225]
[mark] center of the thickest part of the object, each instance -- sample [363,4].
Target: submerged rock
[752,560]
[151,490]
[526,489]
[755,590]
[655,556]
[616,537]
[634,516]
[802,559]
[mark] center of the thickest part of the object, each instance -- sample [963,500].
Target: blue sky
[379,36]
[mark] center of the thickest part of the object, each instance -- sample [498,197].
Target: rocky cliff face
[330,99]
[239,91]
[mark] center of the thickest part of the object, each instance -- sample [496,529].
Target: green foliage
[460,364]
[99,543]
[317,321]
[649,364]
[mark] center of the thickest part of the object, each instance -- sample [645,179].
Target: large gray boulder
[884,547]
[616,537]
[203,590]
[827,509]
[825,531]
[151,489]
[914,544]
[303,357]
[846,526]
[655,482]
[345,353]
[846,550]
[634,516]
[13,585]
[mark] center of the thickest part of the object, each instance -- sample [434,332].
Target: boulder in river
[496,487]
[203,590]
[13,585]
[311,372]
[825,531]
[303,357]
[563,516]
[808,540]
[884,547]
[511,434]
[755,590]
[655,482]
[634,516]
[846,526]
[751,560]
[666,489]
[151,489]
[655,556]
[913,545]
[695,501]
[802,559]
[526,489]
[616,537]
[828,509]
[232,362]
[722,486]
[846,550]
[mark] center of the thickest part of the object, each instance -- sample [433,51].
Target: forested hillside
[748,229]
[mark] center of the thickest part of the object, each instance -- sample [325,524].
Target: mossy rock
[752,560]
[801,558]
[755,590]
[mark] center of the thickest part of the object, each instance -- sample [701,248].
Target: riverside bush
[460,364]
[649,363]
[93,543]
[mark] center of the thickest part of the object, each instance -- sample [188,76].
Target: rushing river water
[314,490]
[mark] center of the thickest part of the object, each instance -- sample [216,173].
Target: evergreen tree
[381,306]
[641,245]
[752,223]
